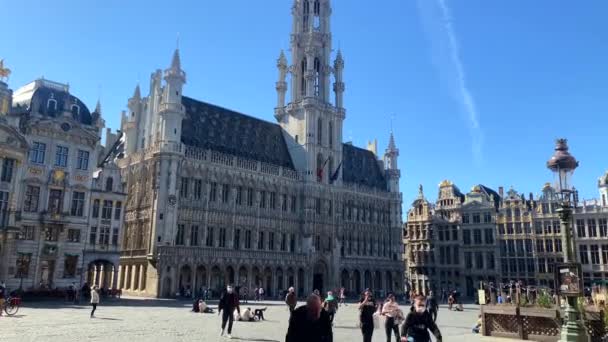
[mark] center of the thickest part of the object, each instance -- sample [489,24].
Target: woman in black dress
[367,307]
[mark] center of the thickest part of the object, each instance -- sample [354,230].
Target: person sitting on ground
[247,316]
[477,326]
[196,305]
[203,307]
[418,323]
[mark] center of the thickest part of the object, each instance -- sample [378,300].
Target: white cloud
[437,20]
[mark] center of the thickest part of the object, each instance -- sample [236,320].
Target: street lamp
[568,275]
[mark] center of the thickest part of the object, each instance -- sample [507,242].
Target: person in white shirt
[94,300]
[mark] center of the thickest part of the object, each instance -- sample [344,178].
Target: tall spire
[175,62]
[98,107]
[391,143]
[137,92]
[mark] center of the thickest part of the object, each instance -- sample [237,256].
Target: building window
[23,265]
[330,135]
[542,267]
[106,212]
[592,228]
[491,263]
[115,237]
[262,199]
[547,227]
[538,228]
[273,200]
[529,248]
[518,229]
[179,237]
[209,240]
[73,235]
[117,210]
[465,218]
[284,242]
[95,213]
[77,204]
[556,227]
[293,204]
[51,233]
[109,184]
[584,255]
[466,237]
[239,195]
[55,201]
[194,236]
[489,236]
[549,245]
[93,236]
[82,162]
[501,229]
[213,192]
[32,195]
[558,245]
[468,260]
[104,236]
[603,227]
[198,189]
[284,202]
[222,238]
[61,156]
[183,190]
[271,241]
[487,217]
[456,259]
[520,247]
[248,239]
[605,254]
[318,207]
[510,228]
[479,260]
[476,218]
[540,246]
[292,244]
[319,124]
[225,193]
[527,228]
[580,228]
[261,241]
[250,197]
[37,152]
[26,233]
[236,242]
[477,236]
[75,111]
[595,255]
[51,106]
[8,165]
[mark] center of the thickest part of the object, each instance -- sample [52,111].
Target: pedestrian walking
[229,301]
[261,291]
[291,300]
[310,323]
[418,323]
[394,317]
[342,297]
[432,306]
[367,308]
[94,299]
[331,306]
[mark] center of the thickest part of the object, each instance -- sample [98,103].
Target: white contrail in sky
[437,21]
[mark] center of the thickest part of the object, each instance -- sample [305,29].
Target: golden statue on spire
[4,72]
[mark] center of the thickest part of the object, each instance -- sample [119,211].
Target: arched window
[330,169]
[51,106]
[317,18]
[319,131]
[305,15]
[317,75]
[330,135]
[75,111]
[303,75]
[109,183]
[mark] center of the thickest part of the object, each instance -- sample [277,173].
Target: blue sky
[479,89]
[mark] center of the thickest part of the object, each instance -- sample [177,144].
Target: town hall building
[217,197]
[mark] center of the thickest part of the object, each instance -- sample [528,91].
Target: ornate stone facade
[218,197]
[52,189]
[485,236]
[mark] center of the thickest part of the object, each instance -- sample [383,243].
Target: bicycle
[11,305]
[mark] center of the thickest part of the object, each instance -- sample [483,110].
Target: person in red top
[228,303]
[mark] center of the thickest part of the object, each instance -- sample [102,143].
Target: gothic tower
[311,123]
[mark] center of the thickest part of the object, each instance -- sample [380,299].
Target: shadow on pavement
[254,339]
[108,319]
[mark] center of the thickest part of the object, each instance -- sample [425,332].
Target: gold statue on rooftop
[4,72]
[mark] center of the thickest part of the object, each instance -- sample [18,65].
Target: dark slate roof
[220,129]
[38,103]
[495,194]
[360,166]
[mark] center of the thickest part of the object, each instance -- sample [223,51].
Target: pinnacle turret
[137,92]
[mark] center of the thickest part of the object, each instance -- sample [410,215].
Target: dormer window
[75,111]
[109,184]
[51,106]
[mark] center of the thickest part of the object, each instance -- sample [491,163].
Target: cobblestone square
[170,320]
